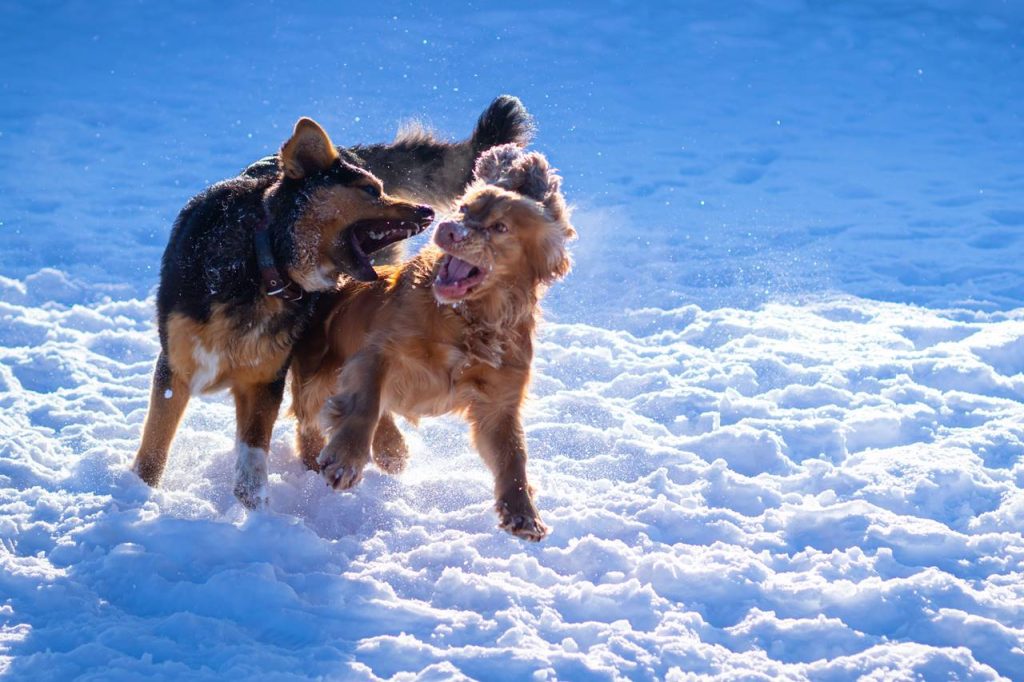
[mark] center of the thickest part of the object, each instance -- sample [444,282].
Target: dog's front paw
[340,470]
[524,523]
[252,497]
[251,483]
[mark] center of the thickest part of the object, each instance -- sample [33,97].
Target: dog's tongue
[455,279]
[455,270]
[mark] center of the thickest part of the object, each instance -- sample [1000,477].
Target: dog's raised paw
[345,477]
[339,474]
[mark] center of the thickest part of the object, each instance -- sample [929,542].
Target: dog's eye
[499,227]
[372,190]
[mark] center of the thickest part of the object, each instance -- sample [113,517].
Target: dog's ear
[540,182]
[532,177]
[557,252]
[307,151]
[536,179]
[554,202]
[509,167]
[495,163]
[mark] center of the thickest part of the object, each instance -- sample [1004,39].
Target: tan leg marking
[167,401]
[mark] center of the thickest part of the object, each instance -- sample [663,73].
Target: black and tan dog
[247,256]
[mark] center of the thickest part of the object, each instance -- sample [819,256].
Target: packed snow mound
[819,491]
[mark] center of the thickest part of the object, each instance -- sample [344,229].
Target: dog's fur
[451,330]
[218,325]
[421,168]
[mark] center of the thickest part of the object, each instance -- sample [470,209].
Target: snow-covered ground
[777,423]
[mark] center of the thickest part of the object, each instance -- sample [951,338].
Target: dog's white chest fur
[206,371]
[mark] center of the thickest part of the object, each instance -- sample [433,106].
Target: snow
[778,413]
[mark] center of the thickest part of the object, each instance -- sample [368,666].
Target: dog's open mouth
[456,278]
[366,236]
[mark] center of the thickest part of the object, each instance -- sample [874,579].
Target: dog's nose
[452,232]
[425,214]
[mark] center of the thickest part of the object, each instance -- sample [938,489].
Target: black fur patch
[504,121]
[424,168]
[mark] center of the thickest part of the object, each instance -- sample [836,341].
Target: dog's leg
[309,441]
[256,407]
[167,401]
[350,419]
[390,453]
[500,439]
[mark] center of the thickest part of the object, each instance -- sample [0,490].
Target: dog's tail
[419,167]
[505,121]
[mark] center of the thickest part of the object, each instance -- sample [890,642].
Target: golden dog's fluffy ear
[527,173]
[509,167]
[559,263]
[533,177]
[308,151]
[559,234]
[493,165]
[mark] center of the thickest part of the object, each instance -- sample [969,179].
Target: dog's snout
[424,214]
[452,232]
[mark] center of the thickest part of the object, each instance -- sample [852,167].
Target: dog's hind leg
[256,407]
[390,453]
[309,392]
[167,401]
[309,442]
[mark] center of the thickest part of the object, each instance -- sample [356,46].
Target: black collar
[274,283]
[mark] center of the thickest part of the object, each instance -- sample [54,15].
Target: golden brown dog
[451,330]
